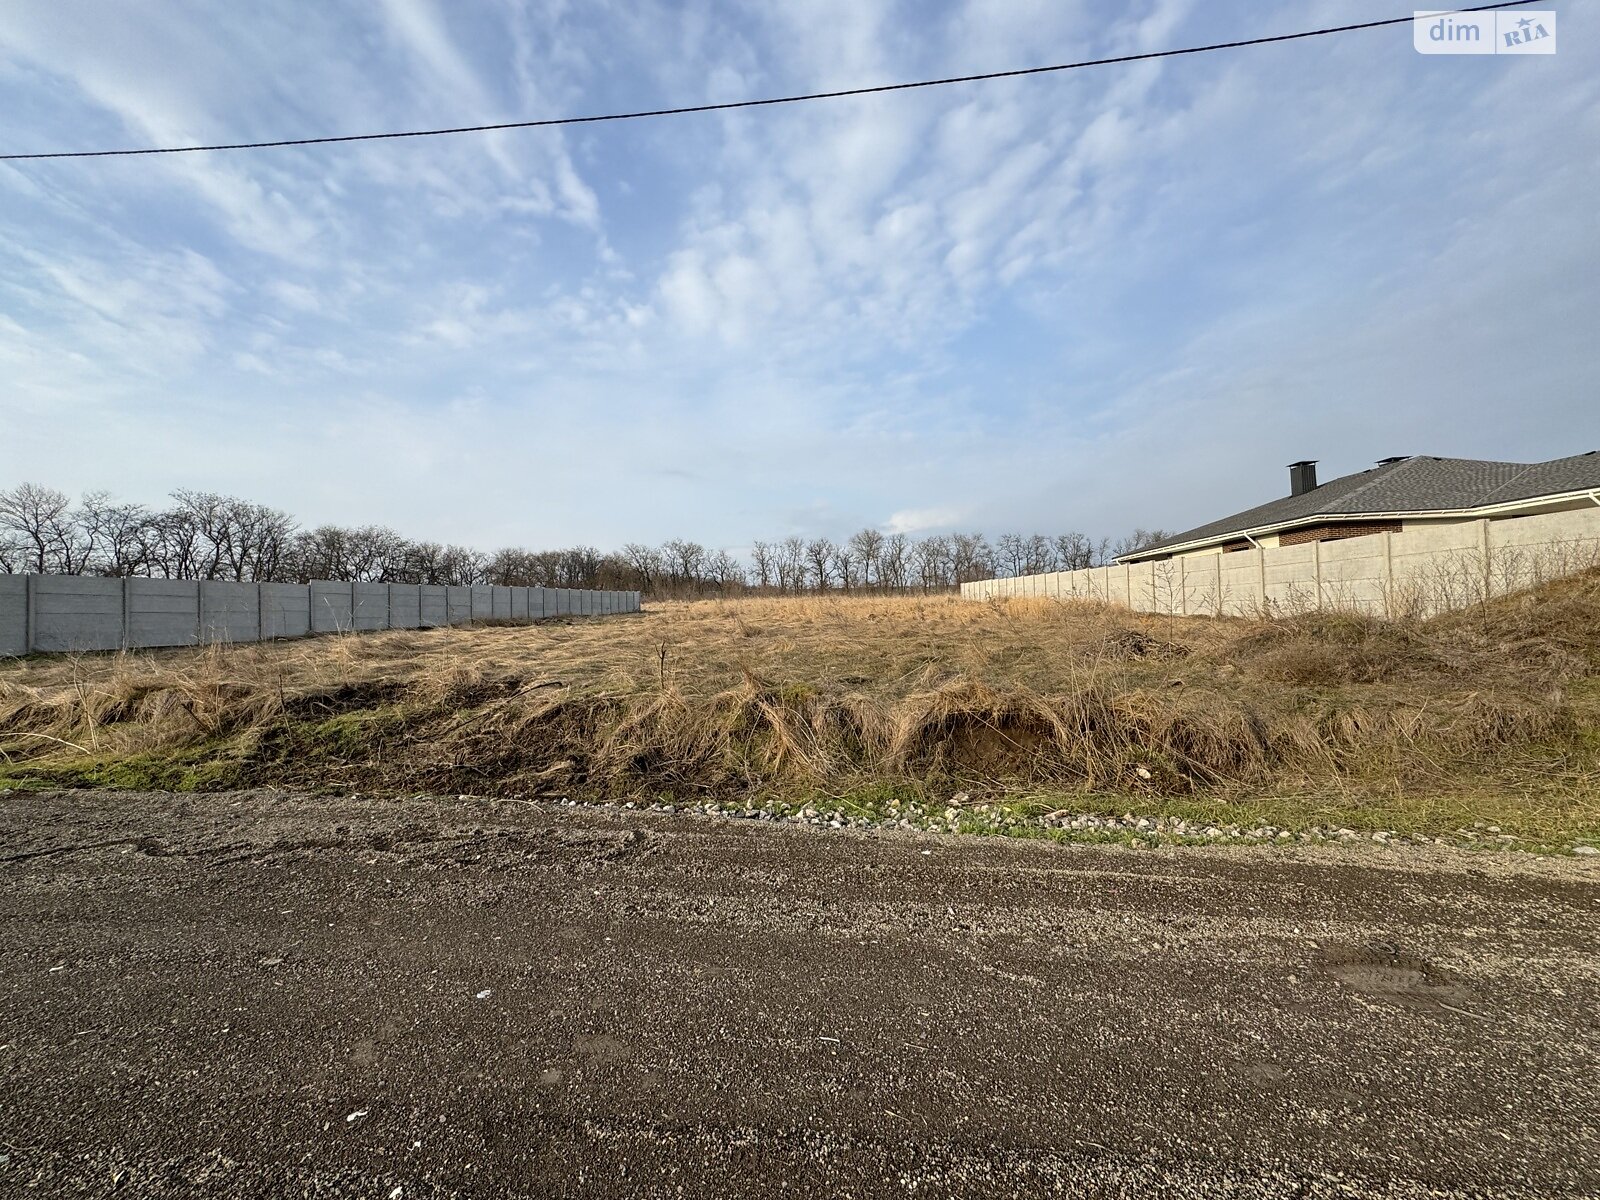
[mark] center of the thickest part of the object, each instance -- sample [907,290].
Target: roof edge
[1255,531]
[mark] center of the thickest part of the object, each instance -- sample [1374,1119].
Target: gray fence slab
[405,605]
[435,605]
[230,612]
[163,612]
[285,610]
[74,613]
[330,607]
[371,606]
[69,613]
[13,615]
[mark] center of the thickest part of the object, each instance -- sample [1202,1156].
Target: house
[1399,494]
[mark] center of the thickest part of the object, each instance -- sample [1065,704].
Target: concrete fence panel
[1352,575]
[229,612]
[13,615]
[405,605]
[1243,592]
[1422,570]
[79,613]
[161,612]
[72,612]
[433,598]
[369,606]
[1291,582]
[331,607]
[285,610]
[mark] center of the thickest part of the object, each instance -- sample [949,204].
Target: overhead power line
[728,106]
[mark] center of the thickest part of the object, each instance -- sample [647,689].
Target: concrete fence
[1418,572]
[66,613]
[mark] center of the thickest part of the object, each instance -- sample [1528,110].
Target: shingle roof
[1413,485]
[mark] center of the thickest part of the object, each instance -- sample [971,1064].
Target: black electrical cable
[727,106]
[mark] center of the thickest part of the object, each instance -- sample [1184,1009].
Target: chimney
[1302,476]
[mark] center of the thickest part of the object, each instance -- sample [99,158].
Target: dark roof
[1412,485]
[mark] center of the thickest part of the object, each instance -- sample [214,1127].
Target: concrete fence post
[124,612]
[1261,577]
[1483,543]
[1316,571]
[261,611]
[1219,585]
[1183,587]
[200,612]
[1388,574]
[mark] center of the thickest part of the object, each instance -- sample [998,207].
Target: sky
[1117,297]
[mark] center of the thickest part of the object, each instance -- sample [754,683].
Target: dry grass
[1324,716]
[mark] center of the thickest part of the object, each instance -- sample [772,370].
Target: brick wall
[1334,532]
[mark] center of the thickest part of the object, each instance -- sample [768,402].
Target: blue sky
[1125,296]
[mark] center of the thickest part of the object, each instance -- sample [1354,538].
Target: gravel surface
[261,994]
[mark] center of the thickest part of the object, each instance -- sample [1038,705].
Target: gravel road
[260,994]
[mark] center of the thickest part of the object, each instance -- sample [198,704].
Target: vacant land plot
[274,995]
[869,706]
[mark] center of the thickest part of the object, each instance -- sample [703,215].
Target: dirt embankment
[1491,715]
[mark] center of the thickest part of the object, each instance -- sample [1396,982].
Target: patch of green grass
[210,767]
[359,735]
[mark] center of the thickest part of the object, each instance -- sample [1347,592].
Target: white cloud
[920,520]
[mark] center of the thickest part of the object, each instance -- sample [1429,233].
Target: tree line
[203,535]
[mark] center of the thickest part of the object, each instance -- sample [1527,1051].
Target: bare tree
[646,563]
[935,562]
[893,560]
[13,553]
[232,538]
[819,560]
[764,560]
[1138,540]
[726,572]
[845,566]
[1074,552]
[42,522]
[120,533]
[970,557]
[685,566]
[1012,551]
[792,565]
[867,547]
[1038,555]
[512,567]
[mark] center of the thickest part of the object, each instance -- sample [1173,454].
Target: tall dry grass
[773,696]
